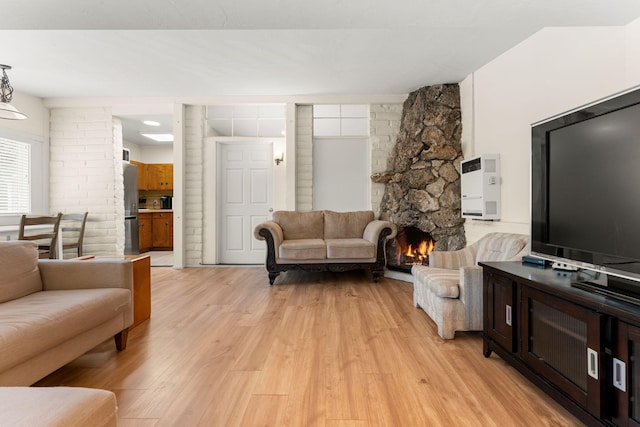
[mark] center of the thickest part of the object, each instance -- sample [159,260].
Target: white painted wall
[341,174]
[555,70]
[37,121]
[633,53]
[150,153]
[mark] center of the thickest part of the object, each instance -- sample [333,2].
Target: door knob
[270,209]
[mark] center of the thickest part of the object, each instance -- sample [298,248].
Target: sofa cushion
[303,249]
[300,225]
[20,275]
[346,225]
[39,321]
[442,282]
[350,249]
[57,406]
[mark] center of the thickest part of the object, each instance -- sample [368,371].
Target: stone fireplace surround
[422,180]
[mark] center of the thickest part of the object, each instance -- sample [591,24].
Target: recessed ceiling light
[151,123]
[160,137]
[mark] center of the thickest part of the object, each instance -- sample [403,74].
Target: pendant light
[8,111]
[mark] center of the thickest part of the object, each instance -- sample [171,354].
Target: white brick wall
[85,174]
[304,158]
[194,133]
[384,125]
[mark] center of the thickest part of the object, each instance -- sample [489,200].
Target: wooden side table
[141,288]
[141,285]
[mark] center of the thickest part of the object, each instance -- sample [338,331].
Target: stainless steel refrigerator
[131,241]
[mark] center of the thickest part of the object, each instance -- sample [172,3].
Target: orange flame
[421,252]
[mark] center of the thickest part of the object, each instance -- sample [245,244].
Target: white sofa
[449,290]
[52,311]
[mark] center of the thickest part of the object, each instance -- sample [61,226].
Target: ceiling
[218,48]
[133,127]
[166,48]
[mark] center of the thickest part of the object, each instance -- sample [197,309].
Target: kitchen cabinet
[159,176]
[156,230]
[162,230]
[142,174]
[579,346]
[154,176]
[146,232]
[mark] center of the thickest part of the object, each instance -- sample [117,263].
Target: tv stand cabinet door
[500,320]
[625,376]
[562,342]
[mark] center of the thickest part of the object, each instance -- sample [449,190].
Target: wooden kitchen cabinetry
[579,346]
[159,176]
[162,230]
[154,176]
[146,231]
[156,230]
[142,174]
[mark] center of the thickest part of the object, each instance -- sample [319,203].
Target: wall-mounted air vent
[481,187]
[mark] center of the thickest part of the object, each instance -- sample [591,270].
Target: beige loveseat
[325,241]
[449,290]
[52,311]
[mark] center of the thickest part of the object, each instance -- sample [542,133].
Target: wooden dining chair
[43,230]
[72,231]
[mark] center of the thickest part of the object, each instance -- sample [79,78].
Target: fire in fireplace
[410,247]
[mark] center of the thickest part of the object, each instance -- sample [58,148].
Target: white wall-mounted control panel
[481,187]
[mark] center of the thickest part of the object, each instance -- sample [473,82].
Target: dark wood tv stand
[581,348]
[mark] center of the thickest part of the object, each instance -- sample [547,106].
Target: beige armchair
[449,290]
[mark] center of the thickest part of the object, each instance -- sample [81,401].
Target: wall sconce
[8,111]
[278,157]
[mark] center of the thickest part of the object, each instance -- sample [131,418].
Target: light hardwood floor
[223,348]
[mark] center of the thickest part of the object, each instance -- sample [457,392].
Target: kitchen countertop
[154,210]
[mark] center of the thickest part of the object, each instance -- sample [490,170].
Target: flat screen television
[585,192]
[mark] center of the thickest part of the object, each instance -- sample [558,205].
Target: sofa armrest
[471,289]
[271,232]
[453,260]
[374,228]
[77,274]
[271,227]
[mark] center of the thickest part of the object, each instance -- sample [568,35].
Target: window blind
[15,189]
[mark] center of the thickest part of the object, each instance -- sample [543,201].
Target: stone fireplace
[422,180]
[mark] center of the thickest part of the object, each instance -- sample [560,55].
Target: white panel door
[245,191]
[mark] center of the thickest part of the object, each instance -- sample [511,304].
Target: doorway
[244,199]
[148,140]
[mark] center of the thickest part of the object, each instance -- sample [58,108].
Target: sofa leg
[376,275]
[121,339]
[272,276]
[446,333]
